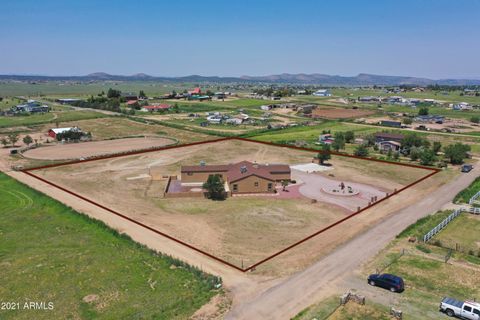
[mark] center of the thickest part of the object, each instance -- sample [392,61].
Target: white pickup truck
[461,309]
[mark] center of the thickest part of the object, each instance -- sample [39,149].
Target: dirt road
[287,298]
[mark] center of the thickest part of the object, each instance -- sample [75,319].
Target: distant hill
[362,79]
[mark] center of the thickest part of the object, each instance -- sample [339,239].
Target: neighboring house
[195,91]
[55,131]
[389,145]
[462,106]
[241,177]
[31,107]
[430,119]
[128,96]
[155,107]
[322,93]
[326,138]
[131,102]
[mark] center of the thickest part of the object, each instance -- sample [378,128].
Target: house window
[235,188]
[189,173]
[256,183]
[270,187]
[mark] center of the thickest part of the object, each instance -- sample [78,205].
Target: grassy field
[330,309]
[465,195]
[50,117]
[51,253]
[462,234]
[117,127]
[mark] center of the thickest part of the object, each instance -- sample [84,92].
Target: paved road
[289,297]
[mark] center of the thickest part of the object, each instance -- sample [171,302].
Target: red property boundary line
[433,171]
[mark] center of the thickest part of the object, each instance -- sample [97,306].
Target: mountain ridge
[362,79]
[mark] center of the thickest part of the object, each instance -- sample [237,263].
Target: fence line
[441,225]
[474,210]
[474,198]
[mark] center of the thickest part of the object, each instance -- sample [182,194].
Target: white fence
[441,225]
[473,199]
[474,210]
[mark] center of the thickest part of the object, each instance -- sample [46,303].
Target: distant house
[266,107]
[31,107]
[215,119]
[326,138]
[155,107]
[389,145]
[430,119]
[195,91]
[389,141]
[128,96]
[55,131]
[462,106]
[322,93]
[388,123]
[369,99]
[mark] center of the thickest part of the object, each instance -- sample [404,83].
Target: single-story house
[131,102]
[322,93]
[241,177]
[54,131]
[31,107]
[129,96]
[430,119]
[389,145]
[462,106]
[155,107]
[195,91]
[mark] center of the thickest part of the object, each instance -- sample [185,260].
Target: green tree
[13,138]
[413,140]
[415,153]
[112,93]
[325,154]
[436,147]
[349,136]
[475,119]
[215,187]
[285,184]
[142,94]
[457,152]
[27,140]
[423,111]
[407,120]
[361,150]
[339,141]
[427,157]
[396,156]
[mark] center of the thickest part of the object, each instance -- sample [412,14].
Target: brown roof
[234,172]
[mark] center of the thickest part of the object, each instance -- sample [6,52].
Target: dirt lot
[94,148]
[339,113]
[241,230]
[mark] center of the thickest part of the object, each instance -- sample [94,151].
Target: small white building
[322,93]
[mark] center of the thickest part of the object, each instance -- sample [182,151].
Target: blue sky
[427,38]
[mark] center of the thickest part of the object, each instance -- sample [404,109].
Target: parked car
[387,281]
[467,168]
[461,309]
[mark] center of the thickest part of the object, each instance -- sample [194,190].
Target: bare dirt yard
[95,148]
[241,230]
[339,113]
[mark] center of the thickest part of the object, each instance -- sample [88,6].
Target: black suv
[387,281]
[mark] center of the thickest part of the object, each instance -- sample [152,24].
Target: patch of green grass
[50,117]
[462,234]
[465,195]
[424,225]
[49,252]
